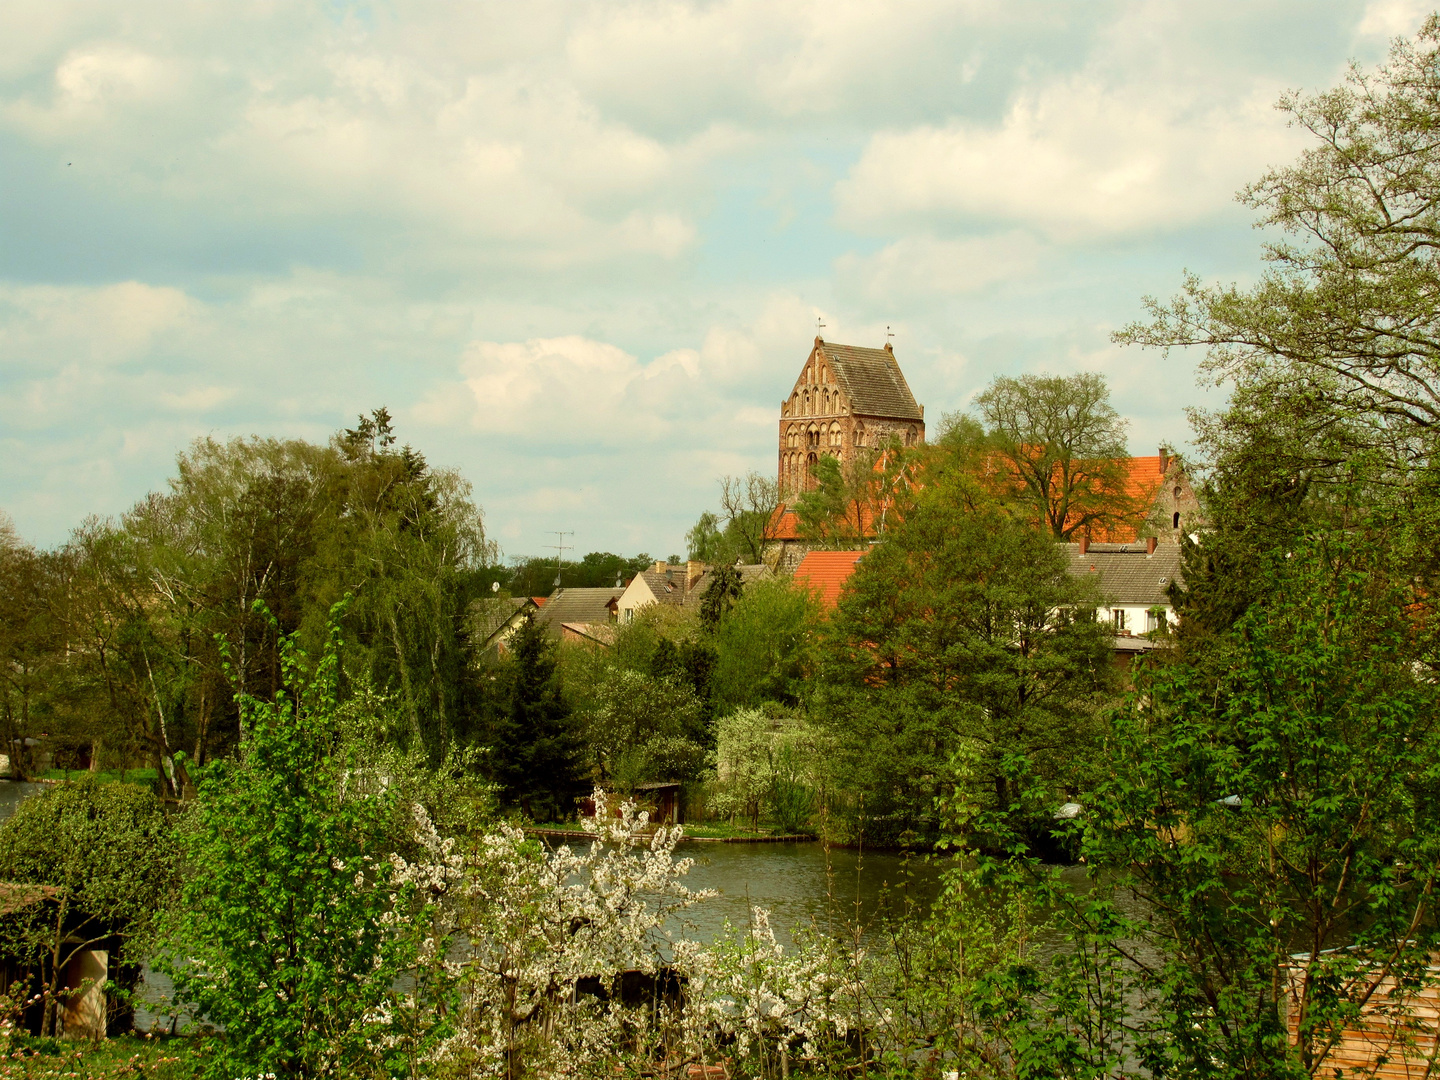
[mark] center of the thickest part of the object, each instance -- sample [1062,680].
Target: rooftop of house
[1129,573]
[871,380]
[491,613]
[749,573]
[15,897]
[668,585]
[577,606]
[826,572]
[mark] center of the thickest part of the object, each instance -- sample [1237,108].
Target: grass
[105,776]
[148,1056]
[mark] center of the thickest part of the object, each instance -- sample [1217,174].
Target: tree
[705,542]
[1346,319]
[1061,450]
[750,504]
[288,934]
[1274,805]
[720,596]
[765,647]
[108,857]
[965,632]
[534,746]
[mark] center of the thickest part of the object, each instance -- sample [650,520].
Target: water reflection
[805,885]
[14,792]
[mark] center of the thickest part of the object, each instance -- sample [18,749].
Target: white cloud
[44,326]
[1389,18]
[918,268]
[1077,158]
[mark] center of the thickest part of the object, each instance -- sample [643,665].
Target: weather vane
[818,326]
[888,334]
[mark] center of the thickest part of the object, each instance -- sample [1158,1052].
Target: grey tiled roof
[490,614]
[749,572]
[576,606]
[1127,575]
[667,585]
[872,381]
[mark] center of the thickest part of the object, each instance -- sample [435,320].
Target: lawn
[143,777]
[152,1057]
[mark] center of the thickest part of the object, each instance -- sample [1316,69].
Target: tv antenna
[560,549]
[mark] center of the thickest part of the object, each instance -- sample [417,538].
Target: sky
[579,249]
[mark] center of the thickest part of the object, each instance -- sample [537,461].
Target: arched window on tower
[837,437]
[813,436]
[810,461]
[825,401]
[860,434]
[1175,521]
[805,403]
[911,435]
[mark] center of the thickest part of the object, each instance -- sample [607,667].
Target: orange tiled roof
[826,572]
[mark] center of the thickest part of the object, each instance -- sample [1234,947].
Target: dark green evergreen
[535,751]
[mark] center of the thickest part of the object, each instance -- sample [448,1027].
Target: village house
[86,1010]
[494,620]
[584,615]
[680,585]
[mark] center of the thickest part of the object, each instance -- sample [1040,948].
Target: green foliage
[765,647]
[107,853]
[1063,446]
[720,595]
[1337,340]
[1279,798]
[770,763]
[647,728]
[534,747]
[285,934]
[964,631]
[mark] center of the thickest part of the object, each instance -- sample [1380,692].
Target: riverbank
[580,834]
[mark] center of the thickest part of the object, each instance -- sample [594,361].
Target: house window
[1154,619]
[1118,615]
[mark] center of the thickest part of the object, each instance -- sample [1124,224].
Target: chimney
[661,566]
[1084,544]
[1150,545]
[1164,459]
[693,571]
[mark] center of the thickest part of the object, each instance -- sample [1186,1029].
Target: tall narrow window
[1175,521]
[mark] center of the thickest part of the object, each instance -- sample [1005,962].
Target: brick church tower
[845,399]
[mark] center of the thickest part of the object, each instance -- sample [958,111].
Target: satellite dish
[494,586]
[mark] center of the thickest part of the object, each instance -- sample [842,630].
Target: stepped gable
[871,381]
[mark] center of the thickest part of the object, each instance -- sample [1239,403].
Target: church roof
[871,380]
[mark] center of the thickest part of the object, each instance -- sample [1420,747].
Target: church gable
[843,380]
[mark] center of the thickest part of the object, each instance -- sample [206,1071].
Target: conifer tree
[534,747]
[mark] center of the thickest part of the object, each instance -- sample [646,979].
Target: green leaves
[286,935]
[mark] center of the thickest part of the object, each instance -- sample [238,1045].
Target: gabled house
[679,585]
[1134,584]
[578,607]
[494,619]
